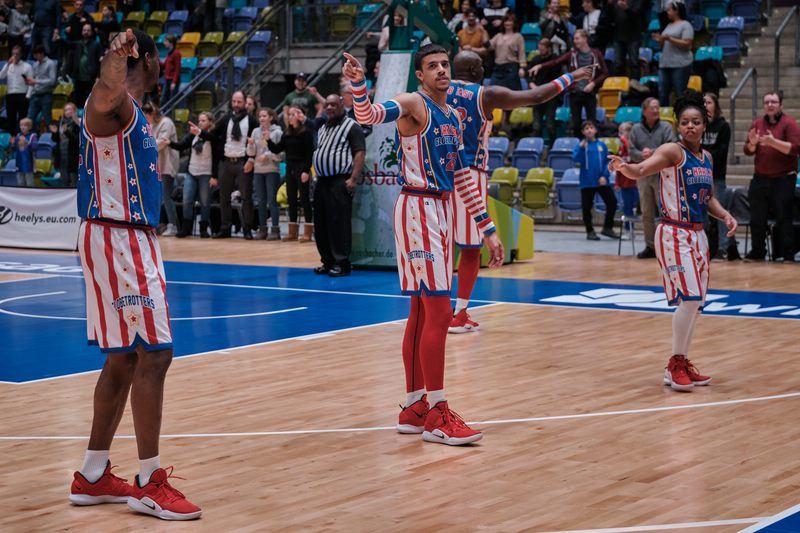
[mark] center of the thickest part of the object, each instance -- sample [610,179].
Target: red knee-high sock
[468,267]
[411,346]
[434,333]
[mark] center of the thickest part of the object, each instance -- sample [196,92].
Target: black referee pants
[333,208]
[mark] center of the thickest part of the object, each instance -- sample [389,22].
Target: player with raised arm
[475,104]
[686,199]
[432,168]
[127,316]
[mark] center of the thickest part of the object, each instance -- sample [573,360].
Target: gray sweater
[642,137]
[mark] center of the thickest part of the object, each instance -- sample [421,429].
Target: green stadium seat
[536,188]
[506,178]
[155,24]
[211,44]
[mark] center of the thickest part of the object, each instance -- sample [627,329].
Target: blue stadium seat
[708,53]
[527,153]
[749,10]
[646,55]
[365,12]
[8,175]
[188,66]
[45,147]
[568,191]
[176,23]
[257,48]
[698,22]
[239,66]
[205,64]
[731,23]
[560,156]
[714,11]
[728,36]
[628,114]
[532,34]
[498,148]
[244,18]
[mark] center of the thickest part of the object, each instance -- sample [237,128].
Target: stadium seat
[244,18]
[44,149]
[568,191]
[365,12]
[207,63]
[61,94]
[714,11]
[644,80]
[749,10]
[211,44]
[498,149]
[162,49]
[610,94]
[536,187]
[43,167]
[646,55]
[560,156]
[97,17]
[527,153]
[134,20]
[257,48]
[695,83]
[532,34]
[667,114]
[521,117]
[239,66]
[155,24]
[202,101]
[176,23]
[497,117]
[237,4]
[260,4]
[706,53]
[506,178]
[342,22]
[5,140]
[652,27]
[233,38]
[188,66]
[728,36]
[628,114]
[187,45]
[8,175]
[181,119]
[613,144]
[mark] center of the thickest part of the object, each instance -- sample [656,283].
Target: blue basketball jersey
[467,99]
[118,176]
[685,189]
[429,159]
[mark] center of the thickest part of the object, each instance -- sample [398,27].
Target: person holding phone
[16,72]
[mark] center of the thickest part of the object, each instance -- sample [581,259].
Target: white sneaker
[171,231]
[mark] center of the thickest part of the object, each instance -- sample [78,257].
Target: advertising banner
[39,218]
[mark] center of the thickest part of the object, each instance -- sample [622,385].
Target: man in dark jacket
[627,37]
[84,64]
[45,22]
[546,111]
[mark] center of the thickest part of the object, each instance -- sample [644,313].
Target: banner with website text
[39,218]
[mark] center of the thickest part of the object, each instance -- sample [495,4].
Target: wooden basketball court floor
[580,434]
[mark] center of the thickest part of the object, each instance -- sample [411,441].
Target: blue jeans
[266,187]
[672,79]
[191,186]
[41,104]
[167,182]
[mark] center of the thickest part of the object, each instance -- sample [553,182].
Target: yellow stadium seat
[695,83]
[43,167]
[61,94]
[536,188]
[506,178]
[155,24]
[134,20]
[609,96]
[497,117]
[187,45]
[613,144]
[69,7]
[282,197]
[521,117]
[233,37]
[97,16]
[667,114]
[56,114]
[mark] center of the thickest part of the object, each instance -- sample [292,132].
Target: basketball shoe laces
[452,418]
[680,366]
[117,481]
[170,493]
[691,370]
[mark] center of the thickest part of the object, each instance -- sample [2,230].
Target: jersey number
[451,161]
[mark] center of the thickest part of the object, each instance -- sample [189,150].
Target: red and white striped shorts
[126,292]
[466,232]
[423,227]
[684,259]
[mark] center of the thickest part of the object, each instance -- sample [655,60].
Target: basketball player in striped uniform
[119,199]
[431,161]
[475,104]
[685,198]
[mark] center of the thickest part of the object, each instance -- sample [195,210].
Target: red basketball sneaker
[676,374]
[412,418]
[461,323]
[698,379]
[108,489]
[445,427]
[159,498]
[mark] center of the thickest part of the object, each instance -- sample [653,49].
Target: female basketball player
[685,196]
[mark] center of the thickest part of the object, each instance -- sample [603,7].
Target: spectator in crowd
[232,132]
[76,21]
[604,33]
[346,90]
[546,111]
[171,66]
[203,166]
[675,65]
[308,100]
[251,106]
[494,17]
[267,172]
[165,133]
[554,27]
[716,140]
[338,162]
[583,94]
[16,72]
[645,137]
[219,13]
[625,185]
[383,37]
[108,25]
[43,83]
[46,16]
[19,24]
[23,148]
[510,63]
[84,64]
[592,157]
[627,37]
[473,36]
[774,139]
[67,138]
[590,20]
[459,20]
[298,144]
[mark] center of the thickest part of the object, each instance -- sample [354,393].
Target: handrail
[733,157]
[223,58]
[794,12]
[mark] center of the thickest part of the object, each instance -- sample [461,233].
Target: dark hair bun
[690,98]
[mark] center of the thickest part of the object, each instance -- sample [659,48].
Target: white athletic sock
[460,304]
[435,396]
[94,464]
[146,469]
[414,397]
[683,320]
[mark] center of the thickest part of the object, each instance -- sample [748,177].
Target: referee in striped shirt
[338,161]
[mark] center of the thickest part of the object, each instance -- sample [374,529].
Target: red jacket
[770,163]
[172,66]
[571,58]
[624,182]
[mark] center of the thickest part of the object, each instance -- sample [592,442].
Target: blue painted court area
[218,307]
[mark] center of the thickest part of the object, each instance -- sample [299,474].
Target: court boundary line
[769,520]
[721,403]
[662,527]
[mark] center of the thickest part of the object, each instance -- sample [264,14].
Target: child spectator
[592,156]
[24,146]
[626,186]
